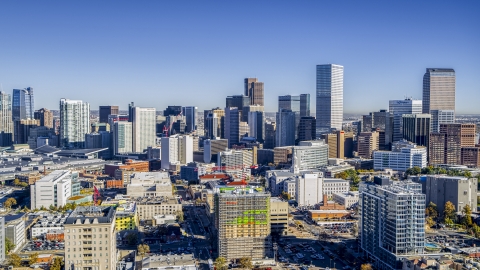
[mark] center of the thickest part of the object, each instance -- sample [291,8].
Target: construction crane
[96,195]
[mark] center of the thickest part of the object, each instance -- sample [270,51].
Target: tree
[430,222]
[132,238]
[143,249]
[16,182]
[467,216]
[8,245]
[220,263]
[25,209]
[432,210]
[52,207]
[246,263]
[15,260]
[366,266]
[285,195]
[9,203]
[57,263]
[449,211]
[33,258]
[180,217]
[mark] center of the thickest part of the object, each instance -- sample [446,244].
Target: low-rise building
[335,185]
[347,199]
[323,215]
[138,166]
[53,189]
[278,216]
[149,184]
[404,155]
[126,217]
[46,224]
[169,262]
[15,230]
[289,188]
[147,208]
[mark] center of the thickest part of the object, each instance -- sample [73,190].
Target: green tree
[143,249]
[430,222]
[285,195]
[432,210]
[33,258]
[9,203]
[467,216]
[52,207]
[9,246]
[15,260]
[449,211]
[366,266]
[180,216]
[16,182]
[132,238]
[220,263]
[246,263]
[57,263]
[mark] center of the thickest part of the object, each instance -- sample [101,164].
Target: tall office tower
[105,111]
[94,228]
[22,130]
[438,89]
[367,142]
[399,107]
[285,133]
[242,220]
[340,144]
[250,108]
[23,105]
[254,90]
[256,124]
[239,102]
[74,122]
[232,125]
[381,121]
[144,120]
[122,140]
[6,123]
[416,128]
[307,130]
[45,116]
[291,103]
[130,111]
[441,117]
[270,131]
[305,105]
[176,149]
[172,110]
[329,110]
[392,221]
[101,139]
[190,113]
[471,156]
[212,126]
[446,145]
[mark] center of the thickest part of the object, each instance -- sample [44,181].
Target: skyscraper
[144,135]
[446,146]
[232,125]
[329,111]
[190,113]
[74,122]
[304,105]
[122,137]
[256,124]
[45,116]
[23,106]
[286,128]
[441,117]
[416,128]
[254,90]
[307,130]
[6,123]
[399,107]
[105,111]
[438,89]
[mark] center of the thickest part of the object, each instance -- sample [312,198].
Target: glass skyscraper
[23,106]
[329,110]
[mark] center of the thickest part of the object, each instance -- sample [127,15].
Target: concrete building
[282,155]
[458,190]
[45,116]
[235,209]
[254,90]
[232,125]
[400,107]
[53,189]
[74,123]
[441,117]
[143,126]
[276,179]
[122,137]
[347,199]
[438,89]
[334,185]
[382,122]
[340,144]
[176,149]
[416,128]
[90,241]
[285,133]
[386,235]
[190,113]
[446,145]
[289,187]
[404,155]
[105,111]
[329,111]
[46,224]
[149,184]
[309,189]
[471,156]
[235,161]
[15,231]
[307,129]
[148,208]
[6,122]
[2,239]
[256,124]
[367,143]
[309,155]
[211,148]
[278,216]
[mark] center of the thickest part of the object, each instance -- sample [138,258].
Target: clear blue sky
[159,53]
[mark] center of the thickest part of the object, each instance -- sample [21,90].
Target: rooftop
[157,200]
[184,262]
[91,214]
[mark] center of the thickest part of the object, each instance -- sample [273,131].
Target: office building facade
[307,130]
[45,116]
[404,155]
[53,189]
[74,123]
[305,105]
[438,89]
[285,128]
[190,113]
[122,140]
[416,128]
[329,90]
[367,143]
[143,125]
[441,117]
[340,144]
[105,111]
[400,107]
[256,124]
[446,145]
[23,105]
[254,90]
[232,125]
[309,155]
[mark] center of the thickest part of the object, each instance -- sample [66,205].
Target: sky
[195,53]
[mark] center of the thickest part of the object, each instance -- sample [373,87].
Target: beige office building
[254,90]
[446,146]
[438,89]
[90,242]
[340,144]
[367,142]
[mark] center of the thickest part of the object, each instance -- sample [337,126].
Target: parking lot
[42,245]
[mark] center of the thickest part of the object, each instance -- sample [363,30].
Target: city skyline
[126,48]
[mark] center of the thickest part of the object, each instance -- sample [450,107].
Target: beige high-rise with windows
[438,89]
[254,90]
[367,142]
[90,242]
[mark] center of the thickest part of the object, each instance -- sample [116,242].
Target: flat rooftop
[90,214]
[54,176]
[184,262]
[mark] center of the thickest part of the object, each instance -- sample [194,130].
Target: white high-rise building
[122,137]
[74,122]
[53,189]
[309,155]
[399,107]
[329,109]
[309,189]
[176,149]
[144,128]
